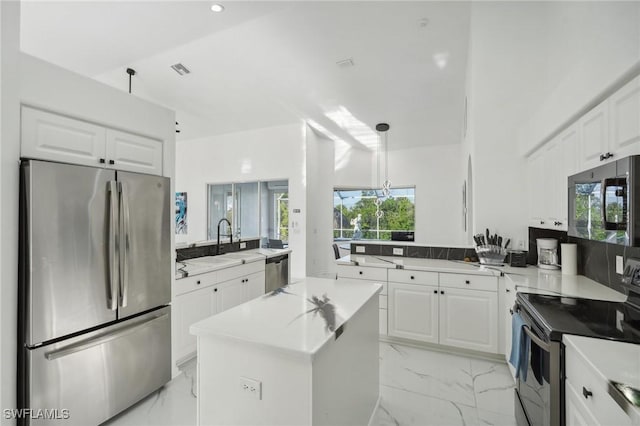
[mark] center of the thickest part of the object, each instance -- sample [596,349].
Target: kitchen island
[306,354]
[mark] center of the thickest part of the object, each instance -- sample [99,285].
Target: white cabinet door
[535,173]
[413,312]
[133,153]
[383,321]
[509,301]
[188,309]
[576,413]
[53,137]
[231,293]
[594,128]
[624,113]
[254,285]
[551,179]
[469,319]
[569,142]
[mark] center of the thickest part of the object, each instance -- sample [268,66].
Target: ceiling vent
[180,69]
[345,63]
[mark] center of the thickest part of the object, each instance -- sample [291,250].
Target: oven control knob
[586,393]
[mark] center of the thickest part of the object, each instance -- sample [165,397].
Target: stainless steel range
[540,397]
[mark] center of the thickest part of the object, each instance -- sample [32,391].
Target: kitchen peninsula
[305,354]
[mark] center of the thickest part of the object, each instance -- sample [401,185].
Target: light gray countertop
[202,265]
[526,280]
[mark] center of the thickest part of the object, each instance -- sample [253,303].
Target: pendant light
[382,129]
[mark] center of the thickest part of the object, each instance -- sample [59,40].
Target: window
[255,209]
[354,213]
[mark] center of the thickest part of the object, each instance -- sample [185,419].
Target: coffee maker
[547,253]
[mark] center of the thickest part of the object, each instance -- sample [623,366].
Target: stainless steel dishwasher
[276,272]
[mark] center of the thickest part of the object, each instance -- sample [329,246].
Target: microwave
[604,203]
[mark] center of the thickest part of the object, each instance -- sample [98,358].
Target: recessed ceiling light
[423,23]
[217,7]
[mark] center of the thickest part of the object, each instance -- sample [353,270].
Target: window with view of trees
[398,213]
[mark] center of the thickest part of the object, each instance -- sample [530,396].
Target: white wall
[273,153]
[532,66]
[31,81]
[436,173]
[9,153]
[320,182]
[588,47]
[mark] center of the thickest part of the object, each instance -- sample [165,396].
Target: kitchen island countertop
[299,318]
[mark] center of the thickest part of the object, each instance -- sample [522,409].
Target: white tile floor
[417,387]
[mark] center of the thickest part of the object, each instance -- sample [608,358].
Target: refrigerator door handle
[112,298]
[100,339]
[124,244]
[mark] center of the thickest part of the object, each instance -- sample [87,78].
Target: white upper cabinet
[624,112]
[606,133]
[48,136]
[594,127]
[133,153]
[53,137]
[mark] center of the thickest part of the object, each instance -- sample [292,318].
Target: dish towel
[520,345]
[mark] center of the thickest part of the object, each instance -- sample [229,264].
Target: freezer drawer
[96,375]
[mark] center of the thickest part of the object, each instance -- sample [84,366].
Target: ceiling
[261,64]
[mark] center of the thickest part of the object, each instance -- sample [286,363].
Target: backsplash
[210,250]
[423,252]
[596,260]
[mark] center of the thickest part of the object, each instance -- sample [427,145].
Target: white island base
[272,362]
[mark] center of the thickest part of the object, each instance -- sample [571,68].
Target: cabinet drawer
[240,271]
[413,277]
[185,285]
[362,273]
[383,301]
[473,282]
[581,377]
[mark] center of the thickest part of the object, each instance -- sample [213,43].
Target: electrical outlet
[359,249]
[243,246]
[251,387]
[619,265]
[397,251]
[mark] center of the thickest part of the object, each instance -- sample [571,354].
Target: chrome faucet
[230,234]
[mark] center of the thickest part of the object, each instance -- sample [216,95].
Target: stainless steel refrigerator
[94,291]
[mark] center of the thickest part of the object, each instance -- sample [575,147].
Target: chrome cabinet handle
[112,300]
[124,244]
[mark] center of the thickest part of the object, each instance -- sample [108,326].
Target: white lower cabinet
[587,396]
[372,275]
[239,290]
[413,312]
[469,319]
[204,295]
[190,308]
[576,412]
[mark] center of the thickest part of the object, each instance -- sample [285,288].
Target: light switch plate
[243,246]
[397,251]
[359,249]
[619,265]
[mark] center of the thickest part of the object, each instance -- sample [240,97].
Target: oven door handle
[545,346]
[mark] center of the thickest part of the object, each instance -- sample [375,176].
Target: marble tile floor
[417,386]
